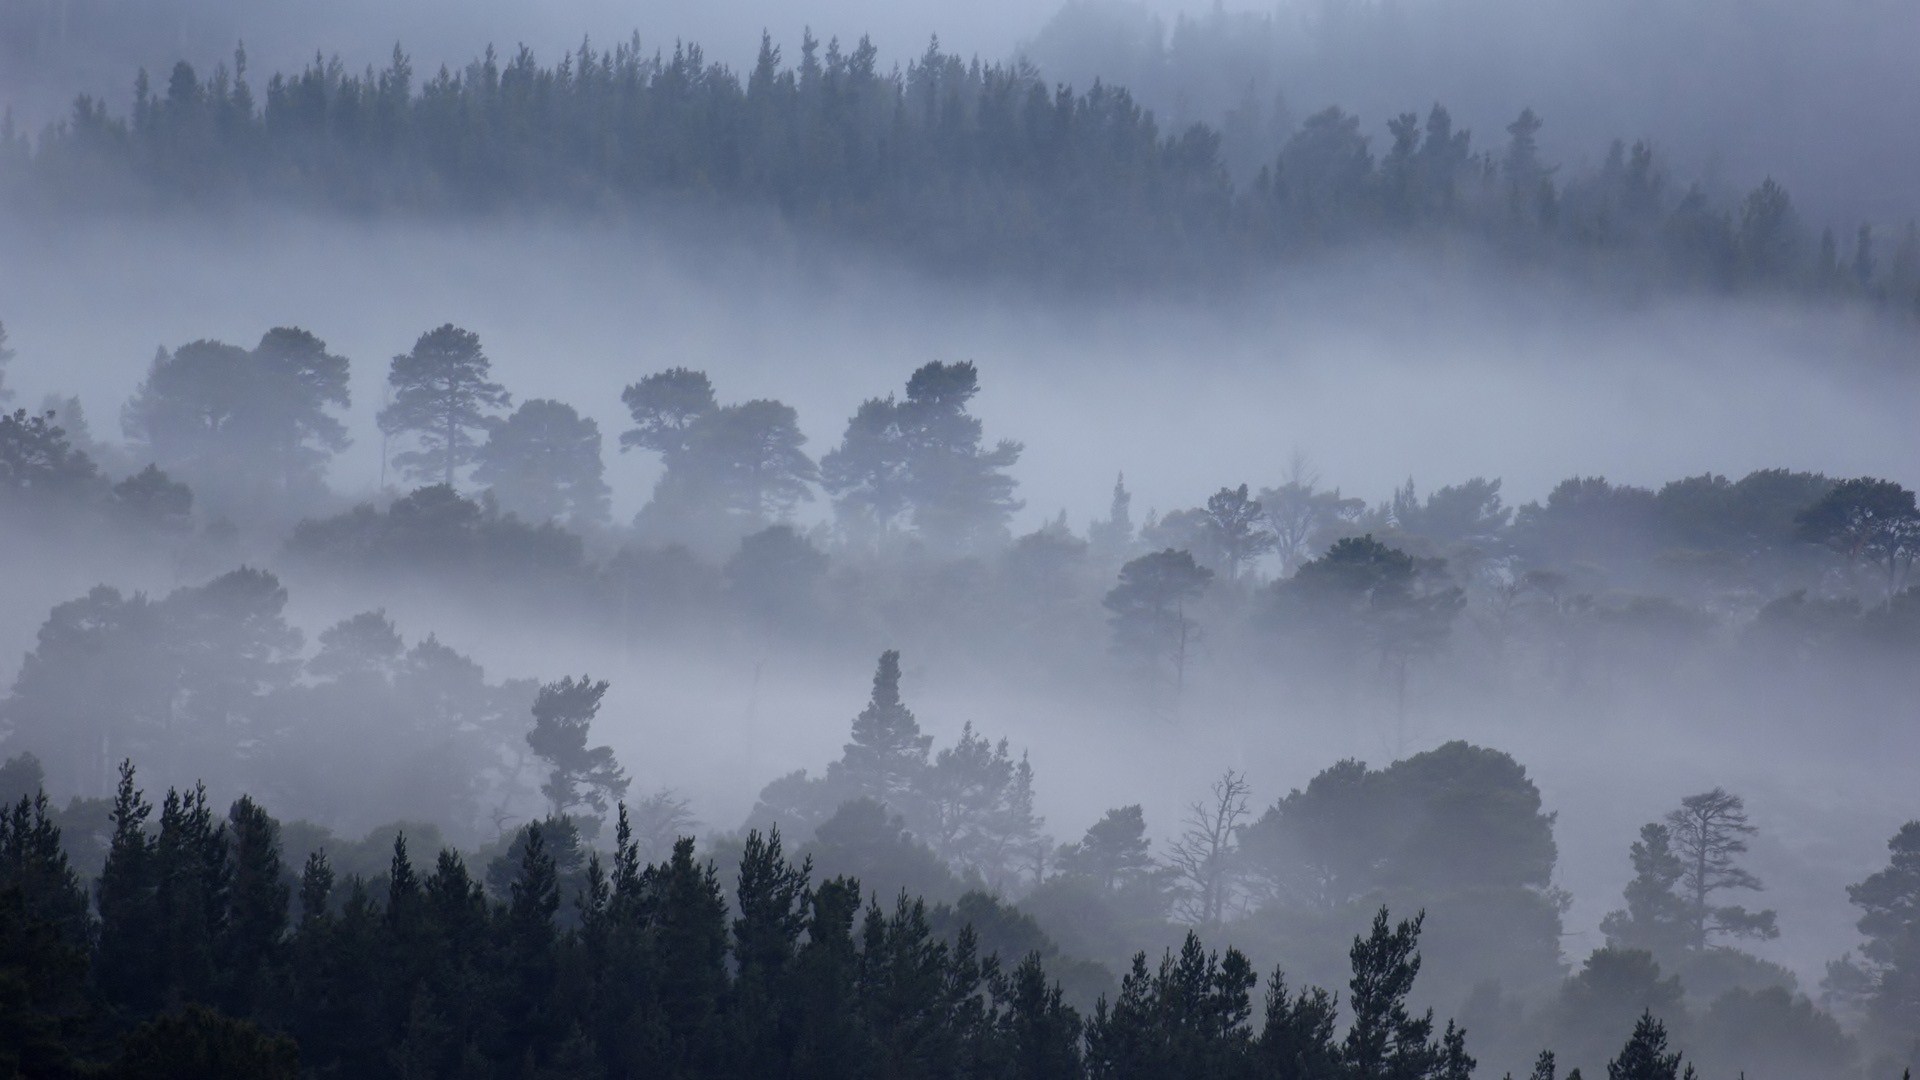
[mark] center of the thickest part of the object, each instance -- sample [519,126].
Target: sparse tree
[1708,834]
[37,460]
[1206,856]
[443,398]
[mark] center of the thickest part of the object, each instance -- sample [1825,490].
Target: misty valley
[837,563]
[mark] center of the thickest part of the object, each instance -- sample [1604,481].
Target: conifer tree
[442,397]
[562,714]
[888,754]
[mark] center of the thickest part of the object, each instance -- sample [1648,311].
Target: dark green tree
[1385,1039]
[1645,1056]
[38,462]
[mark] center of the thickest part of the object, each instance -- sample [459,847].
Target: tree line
[962,165]
[198,951]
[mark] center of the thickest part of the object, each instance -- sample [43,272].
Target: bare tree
[1205,858]
[1707,833]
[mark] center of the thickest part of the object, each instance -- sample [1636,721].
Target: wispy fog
[1379,366]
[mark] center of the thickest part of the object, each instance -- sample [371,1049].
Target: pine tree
[1385,1040]
[1707,832]
[441,397]
[129,965]
[563,712]
[252,951]
[888,754]
[1645,1056]
[1655,918]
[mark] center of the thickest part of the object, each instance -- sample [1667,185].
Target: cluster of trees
[1355,597]
[962,164]
[1459,831]
[199,949]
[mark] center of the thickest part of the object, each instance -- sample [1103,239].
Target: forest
[985,945]
[960,166]
[621,562]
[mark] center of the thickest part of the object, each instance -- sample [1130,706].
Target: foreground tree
[443,399]
[1645,1056]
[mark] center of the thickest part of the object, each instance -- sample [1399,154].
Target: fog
[1693,623]
[1377,365]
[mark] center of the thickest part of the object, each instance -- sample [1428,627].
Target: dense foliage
[956,165]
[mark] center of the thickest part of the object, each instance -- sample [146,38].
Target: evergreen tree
[1655,918]
[1707,832]
[129,965]
[1385,1040]
[1148,607]
[443,399]
[252,950]
[888,755]
[543,463]
[1645,1056]
[562,714]
[1235,531]
[1887,974]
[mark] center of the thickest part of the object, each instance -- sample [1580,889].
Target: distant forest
[957,165]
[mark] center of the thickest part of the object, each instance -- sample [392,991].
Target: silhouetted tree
[1148,608]
[443,399]
[562,714]
[1645,1056]
[543,463]
[1656,917]
[1707,834]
